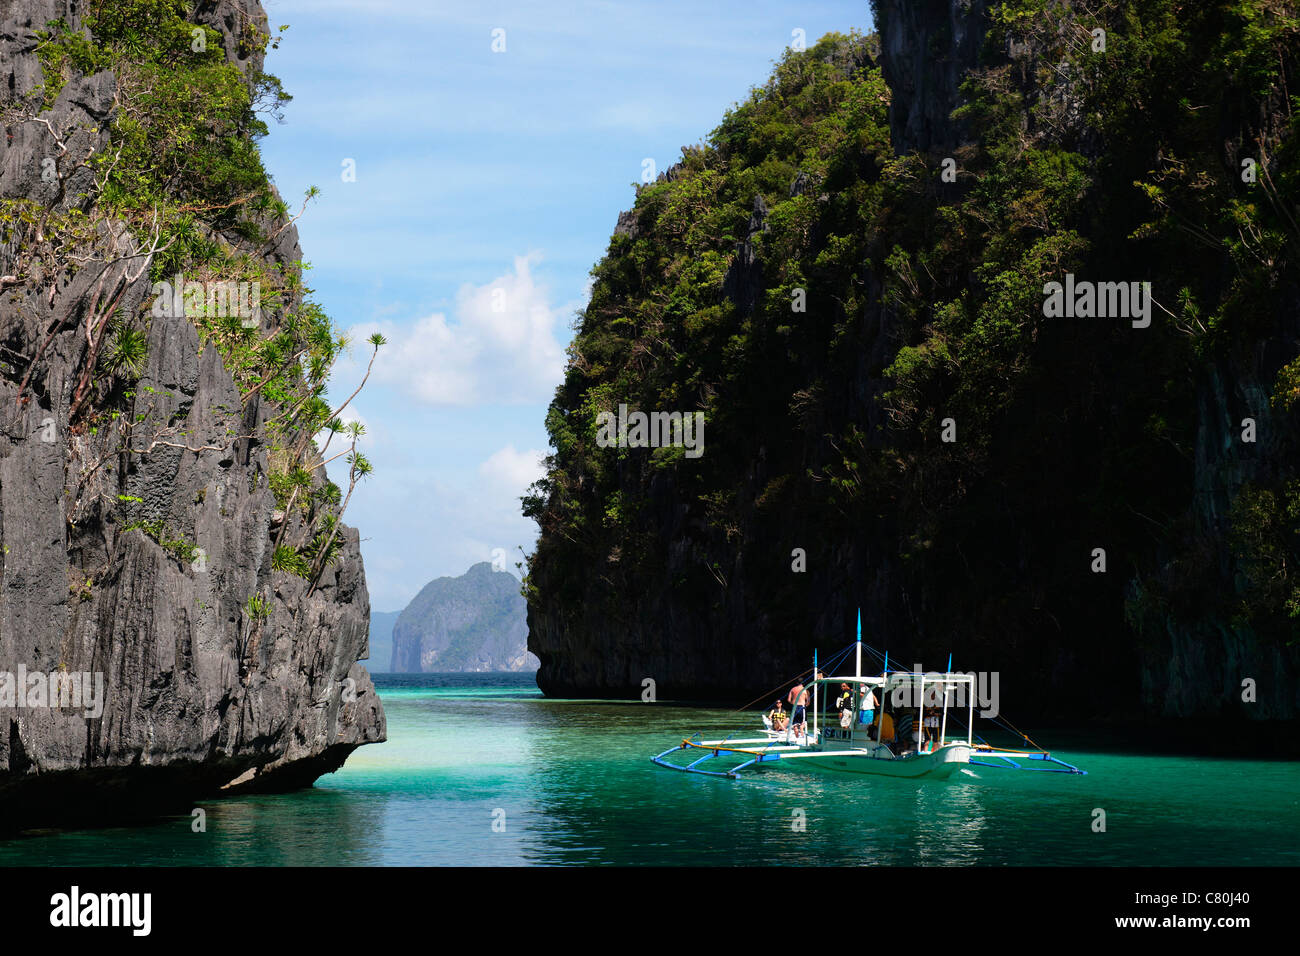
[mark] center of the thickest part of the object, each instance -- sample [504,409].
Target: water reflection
[604,800]
[950,824]
[570,782]
[311,828]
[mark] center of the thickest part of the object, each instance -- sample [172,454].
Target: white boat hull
[940,764]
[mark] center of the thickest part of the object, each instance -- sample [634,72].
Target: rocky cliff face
[475,622]
[926,49]
[216,669]
[1133,442]
[1187,667]
[1191,665]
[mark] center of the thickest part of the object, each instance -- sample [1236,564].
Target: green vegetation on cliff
[182,176]
[1151,142]
[659,334]
[161,369]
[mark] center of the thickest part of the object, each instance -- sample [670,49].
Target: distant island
[474,623]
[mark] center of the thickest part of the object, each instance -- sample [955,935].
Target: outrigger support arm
[714,749]
[1013,756]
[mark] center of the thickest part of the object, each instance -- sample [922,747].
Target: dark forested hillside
[850,278]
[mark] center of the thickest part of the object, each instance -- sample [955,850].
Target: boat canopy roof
[903,679]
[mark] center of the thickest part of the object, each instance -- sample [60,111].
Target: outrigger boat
[840,740]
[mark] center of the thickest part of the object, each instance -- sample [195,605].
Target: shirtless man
[798,698]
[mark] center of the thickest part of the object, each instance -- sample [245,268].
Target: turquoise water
[477,775]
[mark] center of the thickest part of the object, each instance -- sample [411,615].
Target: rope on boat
[798,677]
[1016,730]
[1000,720]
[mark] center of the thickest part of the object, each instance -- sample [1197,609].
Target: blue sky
[486,187]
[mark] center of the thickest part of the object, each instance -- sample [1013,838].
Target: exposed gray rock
[927,46]
[627,224]
[197,694]
[1191,666]
[743,282]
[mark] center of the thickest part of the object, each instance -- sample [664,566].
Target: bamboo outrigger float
[851,744]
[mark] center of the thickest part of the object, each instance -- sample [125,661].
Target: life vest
[886,728]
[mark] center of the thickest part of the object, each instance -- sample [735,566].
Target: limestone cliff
[137,513]
[921,440]
[475,622]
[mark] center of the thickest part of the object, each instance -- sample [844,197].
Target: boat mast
[884,693]
[920,718]
[858,666]
[814,699]
[970,720]
[947,686]
[943,729]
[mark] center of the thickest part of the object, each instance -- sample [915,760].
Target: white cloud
[499,349]
[439,529]
[514,470]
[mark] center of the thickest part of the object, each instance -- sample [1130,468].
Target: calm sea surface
[482,770]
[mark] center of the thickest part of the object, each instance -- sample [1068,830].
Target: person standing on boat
[801,714]
[798,698]
[844,704]
[931,729]
[867,706]
[934,703]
